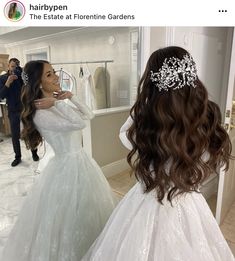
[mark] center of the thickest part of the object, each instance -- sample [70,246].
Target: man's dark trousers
[14,118]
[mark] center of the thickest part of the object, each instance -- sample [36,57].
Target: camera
[18,71]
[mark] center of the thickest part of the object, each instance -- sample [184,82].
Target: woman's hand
[44,103]
[64,95]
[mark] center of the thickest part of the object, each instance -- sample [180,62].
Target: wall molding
[145,35]
[44,37]
[170,36]
[115,167]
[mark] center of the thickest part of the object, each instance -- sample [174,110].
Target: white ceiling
[7,29]
[10,35]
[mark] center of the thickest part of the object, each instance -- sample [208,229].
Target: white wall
[208,46]
[2,49]
[157,38]
[106,145]
[153,38]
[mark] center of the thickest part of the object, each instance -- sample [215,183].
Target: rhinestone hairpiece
[175,73]
[25,78]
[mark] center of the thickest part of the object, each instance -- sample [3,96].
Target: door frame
[228,106]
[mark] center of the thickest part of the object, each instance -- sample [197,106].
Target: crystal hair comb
[25,77]
[175,73]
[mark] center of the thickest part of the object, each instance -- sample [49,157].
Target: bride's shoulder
[44,114]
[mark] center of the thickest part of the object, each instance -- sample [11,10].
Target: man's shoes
[35,157]
[15,162]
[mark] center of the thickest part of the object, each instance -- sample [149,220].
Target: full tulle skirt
[142,229]
[63,214]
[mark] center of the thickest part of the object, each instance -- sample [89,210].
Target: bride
[71,201]
[176,141]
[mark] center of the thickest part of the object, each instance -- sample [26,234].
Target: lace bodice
[59,125]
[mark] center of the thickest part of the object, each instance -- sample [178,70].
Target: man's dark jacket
[12,94]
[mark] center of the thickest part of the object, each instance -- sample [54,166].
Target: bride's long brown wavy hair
[176,135]
[30,92]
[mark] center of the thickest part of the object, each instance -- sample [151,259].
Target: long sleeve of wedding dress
[123,133]
[85,111]
[64,116]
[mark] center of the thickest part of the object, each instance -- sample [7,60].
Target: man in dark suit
[10,88]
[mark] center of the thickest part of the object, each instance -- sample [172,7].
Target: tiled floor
[228,228]
[122,182]
[14,184]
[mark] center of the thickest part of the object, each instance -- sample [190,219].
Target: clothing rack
[86,62]
[82,62]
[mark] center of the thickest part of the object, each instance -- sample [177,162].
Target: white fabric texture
[71,201]
[142,229]
[86,90]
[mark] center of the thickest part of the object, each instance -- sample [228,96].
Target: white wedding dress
[142,229]
[70,202]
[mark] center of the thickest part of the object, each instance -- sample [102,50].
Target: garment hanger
[81,73]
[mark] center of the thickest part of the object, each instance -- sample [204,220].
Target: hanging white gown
[142,229]
[86,89]
[71,200]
